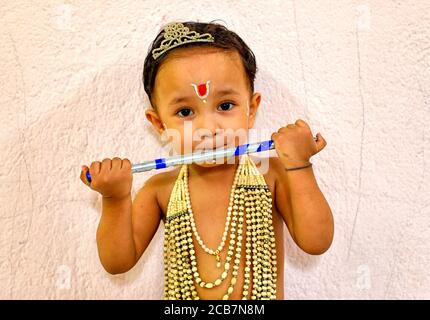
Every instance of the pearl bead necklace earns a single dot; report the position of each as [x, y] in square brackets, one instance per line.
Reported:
[233, 235]
[217, 251]
[249, 202]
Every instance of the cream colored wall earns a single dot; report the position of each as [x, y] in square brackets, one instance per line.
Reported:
[71, 93]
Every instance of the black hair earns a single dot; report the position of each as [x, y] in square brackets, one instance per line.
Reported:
[224, 39]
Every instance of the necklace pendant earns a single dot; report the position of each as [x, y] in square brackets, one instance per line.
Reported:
[218, 259]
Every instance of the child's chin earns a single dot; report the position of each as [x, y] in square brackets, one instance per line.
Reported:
[206, 164]
[218, 162]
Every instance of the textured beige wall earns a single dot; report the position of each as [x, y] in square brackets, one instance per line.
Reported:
[71, 93]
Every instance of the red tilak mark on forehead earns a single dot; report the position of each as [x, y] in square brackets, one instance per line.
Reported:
[202, 89]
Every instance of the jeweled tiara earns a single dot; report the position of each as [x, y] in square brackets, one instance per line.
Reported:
[175, 35]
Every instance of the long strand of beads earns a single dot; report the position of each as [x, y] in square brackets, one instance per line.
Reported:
[223, 276]
[237, 255]
[229, 210]
[269, 243]
[269, 265]
[175, 238]
[260, 249]
[233, 235]
[193, 224]
[244, 195]
[189, 291]
[169, 244]
[255, 265]
[218, 281]
[250, 228]
[256, 236]
[183, 254]
[261, 256]
[248, 250]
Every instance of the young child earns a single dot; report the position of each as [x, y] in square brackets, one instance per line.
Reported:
[223, 220]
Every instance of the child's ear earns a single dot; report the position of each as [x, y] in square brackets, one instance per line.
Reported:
[155, 120]
[253, 106]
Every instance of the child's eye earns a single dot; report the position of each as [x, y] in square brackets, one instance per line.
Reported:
[186, 112]
[225, 105]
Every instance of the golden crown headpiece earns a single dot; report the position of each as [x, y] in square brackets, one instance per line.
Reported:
[176, 34]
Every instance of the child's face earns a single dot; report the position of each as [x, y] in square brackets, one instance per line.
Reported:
[202, 99]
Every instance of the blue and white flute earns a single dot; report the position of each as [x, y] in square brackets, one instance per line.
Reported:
[162, 163]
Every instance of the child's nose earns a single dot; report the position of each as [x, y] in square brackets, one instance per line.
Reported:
[208, 127]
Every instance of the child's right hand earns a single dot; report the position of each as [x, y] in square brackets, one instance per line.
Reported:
[111, 178]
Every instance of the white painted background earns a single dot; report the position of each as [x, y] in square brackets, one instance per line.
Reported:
[71, 93]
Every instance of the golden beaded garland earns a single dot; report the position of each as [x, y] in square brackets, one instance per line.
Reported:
[250, 203]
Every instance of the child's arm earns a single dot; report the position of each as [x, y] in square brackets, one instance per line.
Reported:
[298, 197]
[115, 242]
[126, 228]
[304, 209]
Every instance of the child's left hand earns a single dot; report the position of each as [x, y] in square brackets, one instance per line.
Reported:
[295, 144]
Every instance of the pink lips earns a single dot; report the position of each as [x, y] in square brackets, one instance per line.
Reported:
[221, 147]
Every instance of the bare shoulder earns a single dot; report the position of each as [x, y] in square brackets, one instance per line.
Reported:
[159, 180]
[160, 185]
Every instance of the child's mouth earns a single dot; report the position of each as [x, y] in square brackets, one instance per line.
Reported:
[211, 147]
[220, 147]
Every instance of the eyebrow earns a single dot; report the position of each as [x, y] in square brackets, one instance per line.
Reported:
[221, 92]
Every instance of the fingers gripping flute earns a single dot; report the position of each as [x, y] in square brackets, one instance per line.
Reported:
[162, 163]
